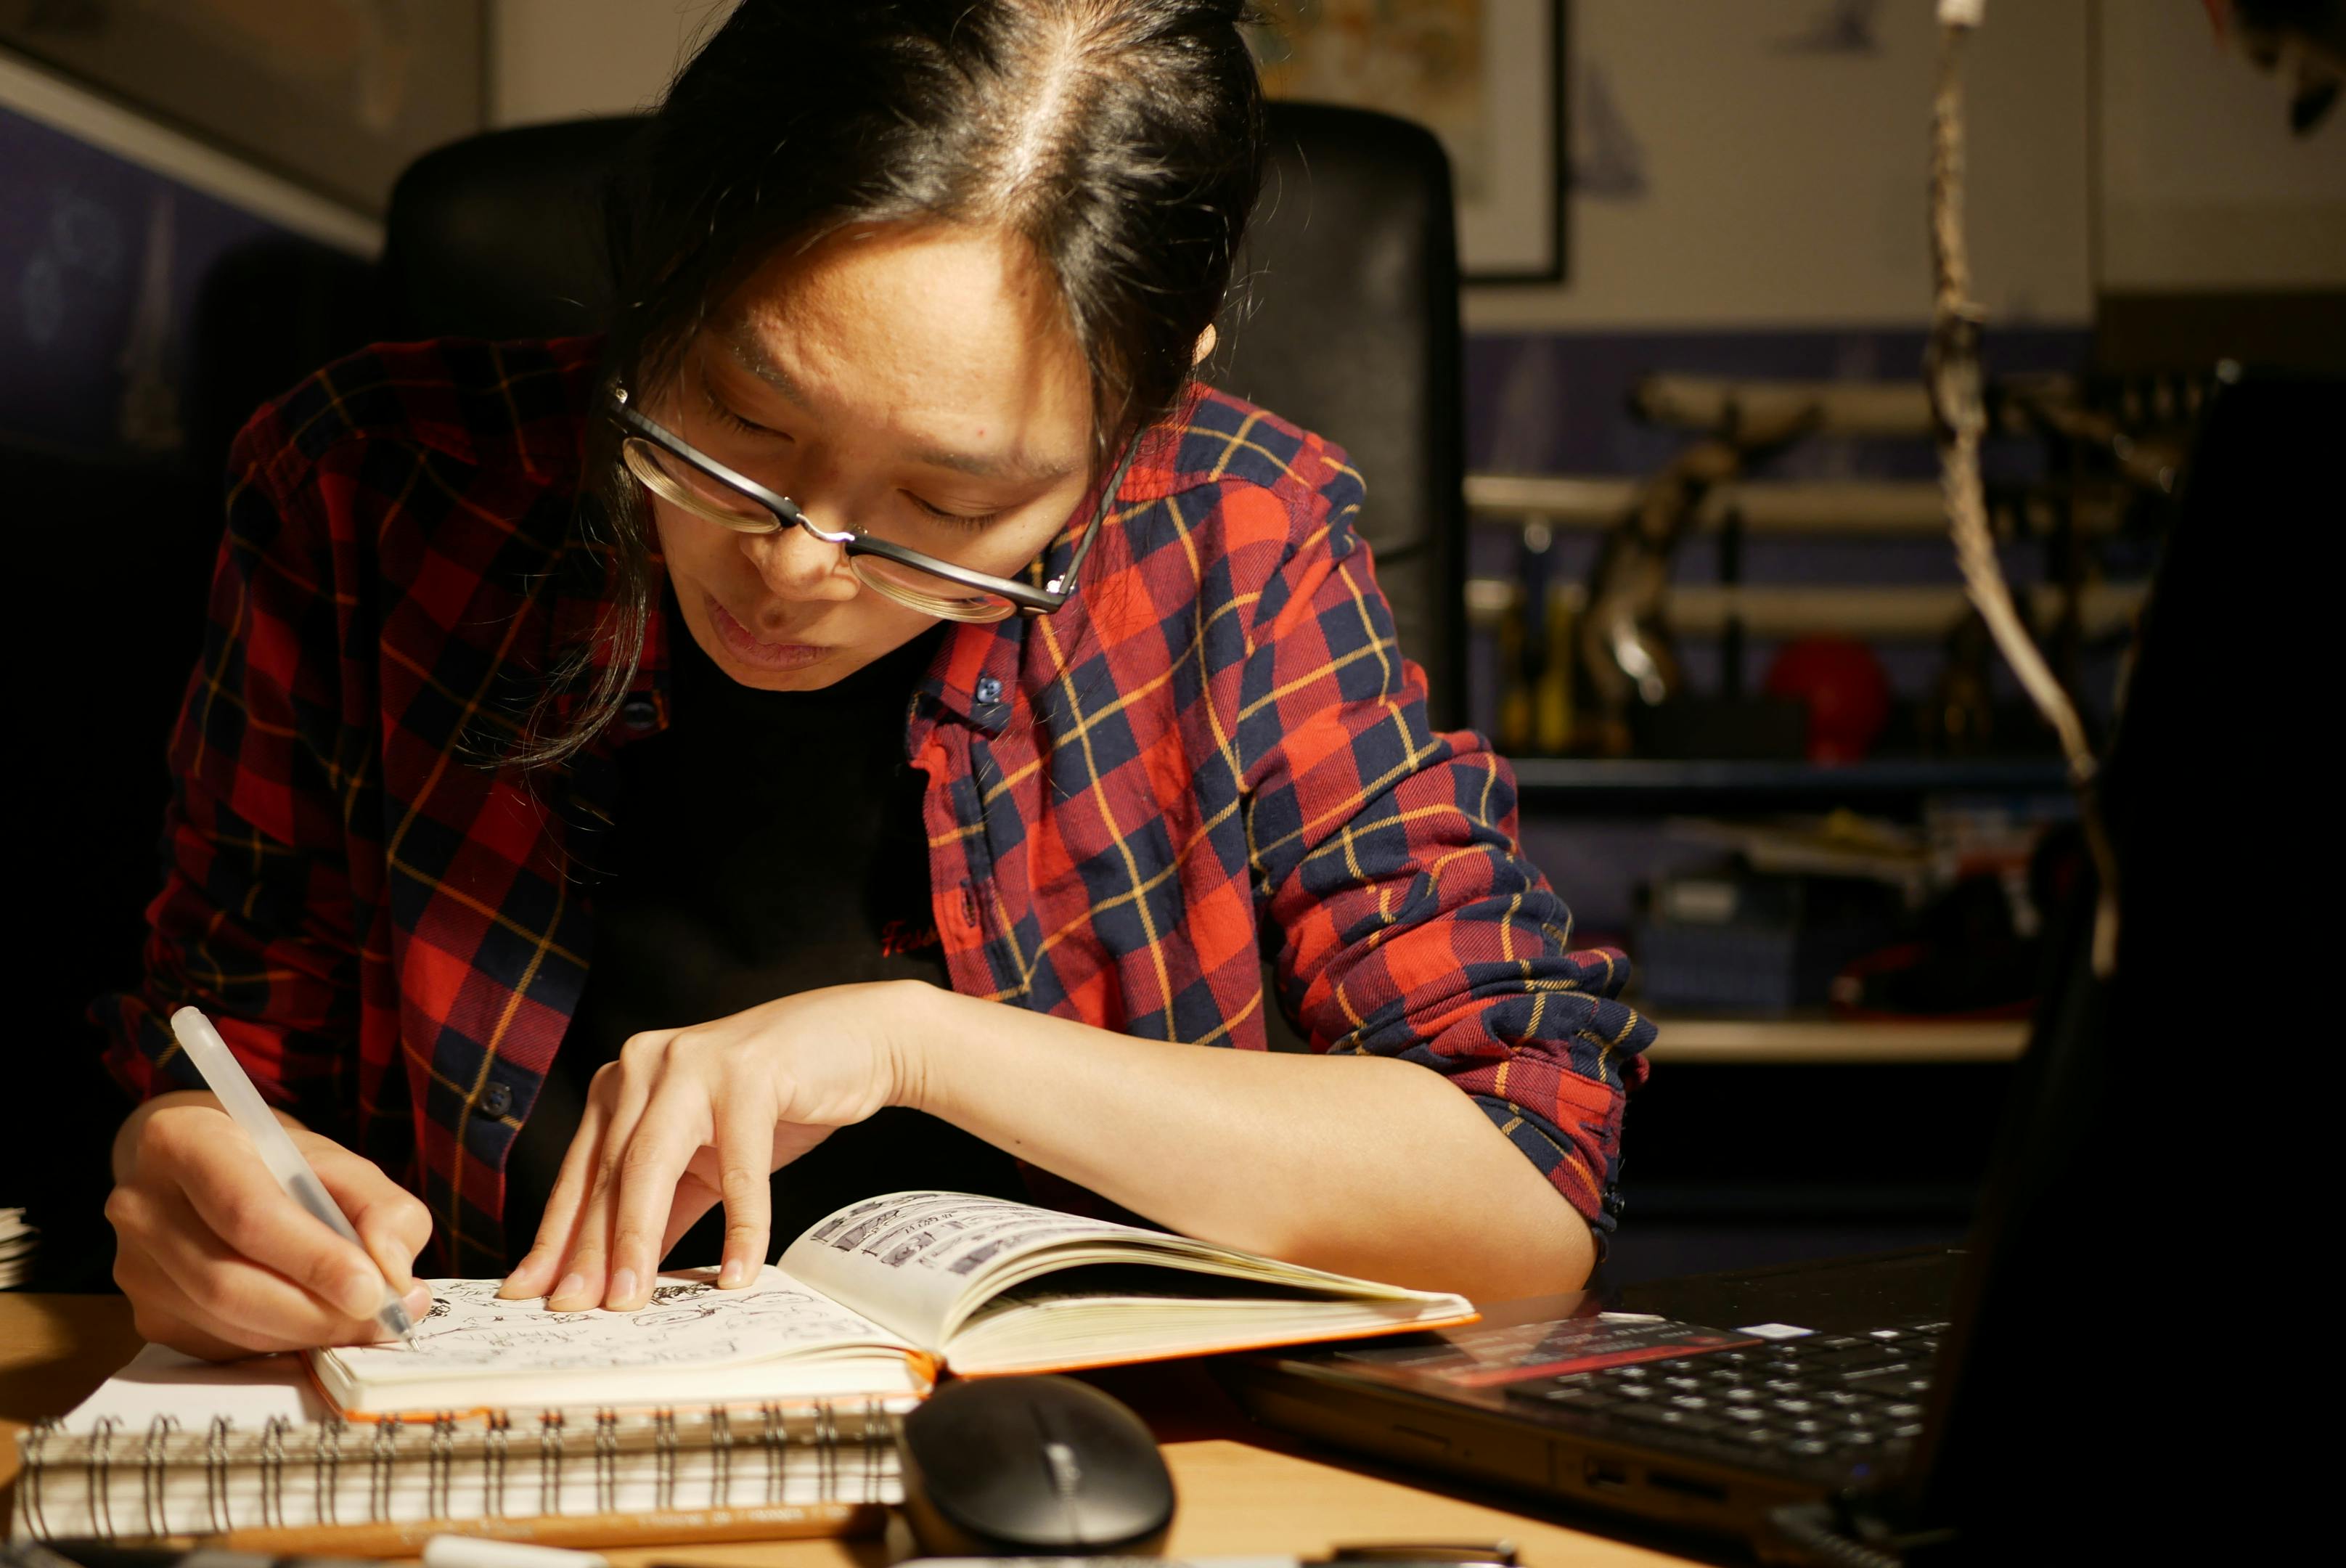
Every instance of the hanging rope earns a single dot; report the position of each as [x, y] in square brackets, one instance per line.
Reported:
[1959, 408]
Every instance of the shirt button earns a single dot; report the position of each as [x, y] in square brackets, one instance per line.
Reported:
[989, 689]
[497, 1100]
[639, 713]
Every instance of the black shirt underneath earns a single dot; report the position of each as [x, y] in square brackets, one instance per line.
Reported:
[765, 843]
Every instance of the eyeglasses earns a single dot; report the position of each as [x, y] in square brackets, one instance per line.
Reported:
[679, 472]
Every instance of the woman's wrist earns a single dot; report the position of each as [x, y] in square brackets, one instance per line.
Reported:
[913, 1015]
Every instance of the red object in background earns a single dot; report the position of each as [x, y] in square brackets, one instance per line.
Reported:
[1845, 687]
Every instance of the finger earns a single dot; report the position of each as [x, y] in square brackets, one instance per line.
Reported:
[241, 1204]
[536, 1272]
[190, 1274]
[745, 1153]
[586, 1266]
[392, 1222]
[155, 1312]
[671, 1128]
[696, 1194]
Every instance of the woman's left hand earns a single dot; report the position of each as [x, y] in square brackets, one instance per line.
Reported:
[688, 1118]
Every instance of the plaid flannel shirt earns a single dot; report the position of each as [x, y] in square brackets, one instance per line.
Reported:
[1214, 754]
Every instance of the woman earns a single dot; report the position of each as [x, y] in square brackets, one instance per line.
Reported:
[861, 725]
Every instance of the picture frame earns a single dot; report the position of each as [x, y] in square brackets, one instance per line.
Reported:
[1486, 76]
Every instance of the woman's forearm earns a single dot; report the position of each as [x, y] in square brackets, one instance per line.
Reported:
[1356, 1163]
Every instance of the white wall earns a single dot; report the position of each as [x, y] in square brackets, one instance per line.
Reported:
[556, 59]
[2203, 187]
[1785, 187]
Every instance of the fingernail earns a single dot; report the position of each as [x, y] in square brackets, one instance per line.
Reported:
[730, 1275]
[573, 1284]
[417, 1299]
[623, 1286]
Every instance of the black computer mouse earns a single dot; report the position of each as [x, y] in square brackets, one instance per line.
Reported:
[1032, 1467]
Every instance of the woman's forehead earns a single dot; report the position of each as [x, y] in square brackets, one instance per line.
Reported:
[930, 325]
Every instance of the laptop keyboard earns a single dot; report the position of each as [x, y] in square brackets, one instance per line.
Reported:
[1837, 1400]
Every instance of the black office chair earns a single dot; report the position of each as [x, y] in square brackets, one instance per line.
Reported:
[1345, 320]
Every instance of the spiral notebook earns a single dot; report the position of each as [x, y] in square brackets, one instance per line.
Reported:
[250, 1457]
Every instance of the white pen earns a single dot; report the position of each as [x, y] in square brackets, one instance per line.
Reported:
[486, 1552]
[226, 1078]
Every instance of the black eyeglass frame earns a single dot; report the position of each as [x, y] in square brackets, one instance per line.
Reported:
[1029, 600]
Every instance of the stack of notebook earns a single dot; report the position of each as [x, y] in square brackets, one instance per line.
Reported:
[754, 1413]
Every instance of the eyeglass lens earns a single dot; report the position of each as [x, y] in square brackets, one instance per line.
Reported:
[704, 495]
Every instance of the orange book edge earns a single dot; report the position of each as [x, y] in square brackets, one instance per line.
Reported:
[1094, 1363]
[923, 1367]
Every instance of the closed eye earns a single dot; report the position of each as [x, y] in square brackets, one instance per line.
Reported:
[750, 427]
[959, 519]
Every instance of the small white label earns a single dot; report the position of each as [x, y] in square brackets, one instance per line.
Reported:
[1775, 1331]
[1631, 1318]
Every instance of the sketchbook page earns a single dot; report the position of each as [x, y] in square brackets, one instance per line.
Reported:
[915, 1260]
[1185, 1269]
[163, 1383]
[689, 1324]
[1045, 1328]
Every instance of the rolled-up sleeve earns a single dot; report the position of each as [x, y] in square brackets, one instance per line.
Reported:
[255, 922]
[1410, 925]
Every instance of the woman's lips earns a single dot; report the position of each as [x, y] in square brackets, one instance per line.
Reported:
[745, 646]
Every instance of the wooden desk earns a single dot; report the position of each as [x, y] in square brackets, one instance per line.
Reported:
[1241, 1491]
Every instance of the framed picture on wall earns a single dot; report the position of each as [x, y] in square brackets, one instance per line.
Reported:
[337, 97]
[1486, 76]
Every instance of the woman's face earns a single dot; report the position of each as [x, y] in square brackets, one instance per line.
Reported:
[919, 382]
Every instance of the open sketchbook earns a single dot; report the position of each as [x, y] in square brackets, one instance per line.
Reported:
[871, 1302]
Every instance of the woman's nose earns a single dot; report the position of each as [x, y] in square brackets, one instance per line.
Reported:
[795, 565]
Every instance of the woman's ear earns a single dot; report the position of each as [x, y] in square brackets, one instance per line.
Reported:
[1205, 345]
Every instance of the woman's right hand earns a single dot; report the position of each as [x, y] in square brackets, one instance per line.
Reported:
[219, 1262]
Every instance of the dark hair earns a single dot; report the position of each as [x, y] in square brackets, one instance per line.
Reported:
[1121, 139]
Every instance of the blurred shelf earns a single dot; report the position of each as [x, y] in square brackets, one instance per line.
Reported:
[1877, 610]
[1639, 784]
[1753, 1042]
[1840, 507]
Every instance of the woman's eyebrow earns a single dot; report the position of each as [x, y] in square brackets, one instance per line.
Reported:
[751, 358]
[991, 465]
[980, 465]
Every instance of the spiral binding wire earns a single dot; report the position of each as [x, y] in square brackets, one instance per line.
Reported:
[495, 1450]
[438, 1479]
[606, 1461]
[550, 1462]
[330, 1468]
[273, 1471]
[664, 1445]
[250, 1477]
[101, 1470]
[150, 1472]
[216, 1472]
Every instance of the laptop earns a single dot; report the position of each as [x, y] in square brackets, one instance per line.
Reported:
[2062, 1387]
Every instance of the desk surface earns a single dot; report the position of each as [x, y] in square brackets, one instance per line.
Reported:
[1242, 1491]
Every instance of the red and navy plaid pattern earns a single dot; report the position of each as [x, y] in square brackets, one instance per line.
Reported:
[1212, 755]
